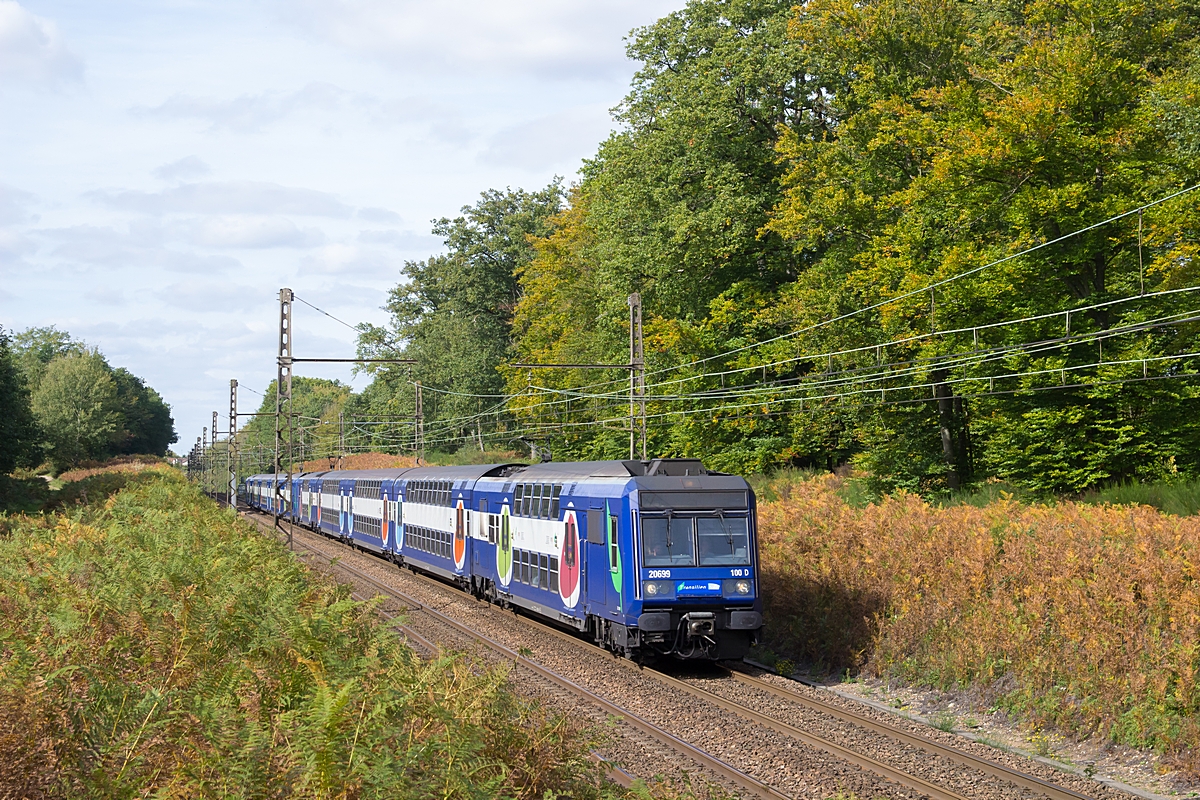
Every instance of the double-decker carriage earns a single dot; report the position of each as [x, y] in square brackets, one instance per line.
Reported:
[647, 558]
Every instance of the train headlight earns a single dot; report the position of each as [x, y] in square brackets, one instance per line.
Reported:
[658, 590]
[743, 587]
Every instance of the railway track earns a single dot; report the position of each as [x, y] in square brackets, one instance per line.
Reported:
[730, 775]
[958, 774]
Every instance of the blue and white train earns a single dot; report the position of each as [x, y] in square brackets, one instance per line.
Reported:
[648, 558]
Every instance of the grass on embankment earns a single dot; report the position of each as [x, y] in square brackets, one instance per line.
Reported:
[151, 644]
[1083, 617]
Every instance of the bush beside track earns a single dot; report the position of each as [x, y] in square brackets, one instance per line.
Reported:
[1086, 618]
[150, 643]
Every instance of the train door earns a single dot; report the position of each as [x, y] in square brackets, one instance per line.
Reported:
[615, 570]
[481, 532]
[344, 524]
[596, 562]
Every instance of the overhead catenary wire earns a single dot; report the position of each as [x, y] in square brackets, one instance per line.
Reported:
[326, 313]
[548, 397]
[918, 291]
[929, 362]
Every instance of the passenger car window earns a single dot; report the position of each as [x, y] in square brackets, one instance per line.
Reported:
[722, 542]
[667, 542]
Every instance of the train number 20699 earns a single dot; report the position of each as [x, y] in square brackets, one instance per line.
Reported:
[660, 573]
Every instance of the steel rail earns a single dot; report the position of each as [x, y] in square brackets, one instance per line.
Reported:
[978, 763]
[859, 760]
[709, 761]
[963, 758]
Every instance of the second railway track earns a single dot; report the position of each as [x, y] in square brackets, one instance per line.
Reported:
[750, 735]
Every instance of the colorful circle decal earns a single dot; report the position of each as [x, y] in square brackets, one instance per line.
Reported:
[568, 576]
[460, 536]
[383, 529]
[504, 550]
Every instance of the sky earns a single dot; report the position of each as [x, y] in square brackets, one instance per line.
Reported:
[166, 167]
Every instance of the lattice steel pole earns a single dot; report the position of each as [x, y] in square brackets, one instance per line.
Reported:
[283, 394]
[231, 447]
[637, 372]
[420, 430]
[212, 466]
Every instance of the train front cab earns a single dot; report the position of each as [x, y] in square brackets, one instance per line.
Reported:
[696, 551]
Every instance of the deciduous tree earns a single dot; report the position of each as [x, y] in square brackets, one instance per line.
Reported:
[77, 408]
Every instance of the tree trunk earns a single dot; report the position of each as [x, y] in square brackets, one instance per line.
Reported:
[945, 401]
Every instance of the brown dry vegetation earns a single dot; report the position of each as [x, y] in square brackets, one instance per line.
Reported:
[1082, 617]
[119, 464]
[385, 461]
[150, 644]
[359, 461]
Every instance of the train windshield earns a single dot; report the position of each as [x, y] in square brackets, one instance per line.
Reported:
[706, 541]
[723, 541]
[667, 542]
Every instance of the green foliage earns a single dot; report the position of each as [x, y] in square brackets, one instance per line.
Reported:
[19, 438]
[155, 645]
[678, 198]
[316, 404]
[453, 313]
[147, 426]
[76, 407]
[37, 347]
[83, 409]
[781, 168]
[23, 495]
[1180, 497]
[968, 132]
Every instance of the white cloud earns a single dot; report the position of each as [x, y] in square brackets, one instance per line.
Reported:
[141, 248]
[14, 204]
[441, 121]
[14, 247]
[229, 197]
[378, 215]
[32, 50]
[550, 38]
[403, 240]
[340, 259]
[183, 169]
[548, 142]
[252, 233]
[106, 295]
[211, 294]
[250, 112]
